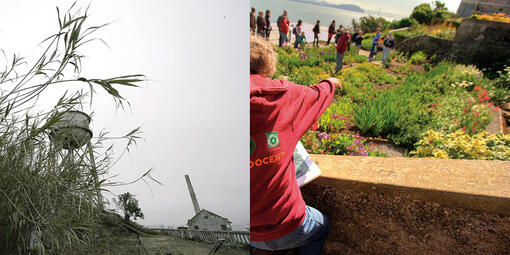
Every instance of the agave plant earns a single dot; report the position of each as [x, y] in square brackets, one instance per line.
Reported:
[48, 196]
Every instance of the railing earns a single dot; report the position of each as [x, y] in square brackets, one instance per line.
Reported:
[232, 238]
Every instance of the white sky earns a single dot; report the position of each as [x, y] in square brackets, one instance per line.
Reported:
[195, 110]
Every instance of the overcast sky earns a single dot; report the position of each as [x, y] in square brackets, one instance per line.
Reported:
[194, 111]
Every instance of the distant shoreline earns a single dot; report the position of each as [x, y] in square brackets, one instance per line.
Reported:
[348, 7]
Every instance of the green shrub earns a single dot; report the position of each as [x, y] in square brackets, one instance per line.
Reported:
[377, 116]
[366, 44]
[418, 58]
[404, 22]
[453, 112]
[306, 75]
[459, 145]
[422, 13]
[370, 24]
[338, 144]
[336, 116]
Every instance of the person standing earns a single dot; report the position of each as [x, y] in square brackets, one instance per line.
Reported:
[252, 20]
[389, 42]
[261, 24]
[338, 33]
[268, 24]
[281, 112]
[279, 23]
[297, 33]
[284, 29]
[375, 42]
[341, 47]
[357, 38]
[331, 31]
[316, 31]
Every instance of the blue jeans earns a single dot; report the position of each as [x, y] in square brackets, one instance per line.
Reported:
[385, 53]
[296, 43]
[339, 61]
[309, 236]
[373, 50]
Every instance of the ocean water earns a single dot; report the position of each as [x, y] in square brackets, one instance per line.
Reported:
[308, 13]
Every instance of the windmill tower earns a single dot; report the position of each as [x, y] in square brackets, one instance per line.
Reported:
[204, 219]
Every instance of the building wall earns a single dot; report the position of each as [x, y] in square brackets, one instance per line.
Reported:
[467, 7]
[207, 221]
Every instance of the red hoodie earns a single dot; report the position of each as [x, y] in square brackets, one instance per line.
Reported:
[280, 114]
[341, 45]
[284, 26]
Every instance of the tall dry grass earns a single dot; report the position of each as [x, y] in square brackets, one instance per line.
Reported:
[48, 193]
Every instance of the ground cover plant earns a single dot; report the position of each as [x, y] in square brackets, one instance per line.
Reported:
[500, 17]
[461, 145]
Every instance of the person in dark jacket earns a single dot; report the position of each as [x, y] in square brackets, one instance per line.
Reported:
[338, 33]
[252, 20]
[268, 24]
[331, 31]
[389, 42]
[297, 33]
[261, 24]
[357, 38]
[316, 31]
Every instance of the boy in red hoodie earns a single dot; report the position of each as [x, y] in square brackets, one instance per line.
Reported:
[280, 113]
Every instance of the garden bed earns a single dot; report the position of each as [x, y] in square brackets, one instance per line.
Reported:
[415, 98]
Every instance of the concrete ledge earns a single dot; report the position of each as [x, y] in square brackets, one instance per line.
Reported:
[475, 184]
[413, 205]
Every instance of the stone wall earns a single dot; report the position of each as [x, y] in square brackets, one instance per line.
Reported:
[468, 7]
[428, 44]
[480, 42]
[413, 206]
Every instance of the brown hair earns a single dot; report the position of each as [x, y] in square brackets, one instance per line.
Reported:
[263, 57]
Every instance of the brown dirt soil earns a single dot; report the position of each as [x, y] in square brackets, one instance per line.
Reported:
[370, 223]
[159, 244]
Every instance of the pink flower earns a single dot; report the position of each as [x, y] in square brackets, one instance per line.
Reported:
[464, 129]
[496, 109]
[478, 88]
[324, 136]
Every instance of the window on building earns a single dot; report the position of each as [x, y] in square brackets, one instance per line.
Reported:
[224, 227]
[206, 216]
[196, 227]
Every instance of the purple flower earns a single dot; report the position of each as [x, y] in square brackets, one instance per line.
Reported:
[324, 136]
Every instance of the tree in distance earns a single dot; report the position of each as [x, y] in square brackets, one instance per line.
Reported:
[129, 206]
